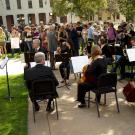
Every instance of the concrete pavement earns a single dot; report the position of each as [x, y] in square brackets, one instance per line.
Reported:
[76, 121]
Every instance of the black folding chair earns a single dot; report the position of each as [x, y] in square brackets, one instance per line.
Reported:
[106, 84]
[42, 90]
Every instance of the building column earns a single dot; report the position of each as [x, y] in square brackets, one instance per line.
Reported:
[26, 19]
[37, 18]
[15, 19]
[4, 21]
[47, 18]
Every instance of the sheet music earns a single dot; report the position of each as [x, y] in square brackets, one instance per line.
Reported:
[131, 54]
[79, 62]
[15, 43]
[4, 62]
[33, 64]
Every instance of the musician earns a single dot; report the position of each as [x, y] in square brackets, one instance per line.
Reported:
[36, 73]
[89, 80]
[123, 60]
[64, 67]
[37, 48]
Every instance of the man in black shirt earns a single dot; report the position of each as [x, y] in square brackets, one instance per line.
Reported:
[37, 73]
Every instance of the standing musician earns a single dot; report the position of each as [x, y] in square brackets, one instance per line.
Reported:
[91, 73]
[65, 53]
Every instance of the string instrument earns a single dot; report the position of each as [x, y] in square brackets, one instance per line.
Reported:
[83, 77]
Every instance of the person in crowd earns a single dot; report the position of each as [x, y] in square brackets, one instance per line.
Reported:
[2, 42]
[37, 73]
[90, 75]
[6, 32]
[123, 61]
[79, 29]
[35, 32]
[85, 35]
[90, 32]
[28, 36]
[97, 33]
[64, 67]
[62, 35]
[37, 48]
[111, 34]
[14, 34]
[43, 37]
[52, 45]
[73, 36]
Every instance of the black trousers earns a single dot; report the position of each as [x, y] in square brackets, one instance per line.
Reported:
[121, 63]
[52, 60]
[64, 70]
[83, 88]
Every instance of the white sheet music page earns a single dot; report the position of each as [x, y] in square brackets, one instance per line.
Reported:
[4, 62]
[79, 62]
[131, 54]
[47, 63]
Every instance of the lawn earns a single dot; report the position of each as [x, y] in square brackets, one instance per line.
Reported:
[13, 115]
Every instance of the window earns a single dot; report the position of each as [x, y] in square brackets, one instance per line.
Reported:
[19, 4]
[30, 3]
[51, 3]
[41, 3]
[7, 4]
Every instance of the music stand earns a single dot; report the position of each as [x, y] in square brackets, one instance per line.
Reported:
[131, 57]
[116, 49]
[63, 57]
[2, 66]
[29, 57]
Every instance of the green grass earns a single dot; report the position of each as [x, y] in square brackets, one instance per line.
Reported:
[16, 56]
[13, 115]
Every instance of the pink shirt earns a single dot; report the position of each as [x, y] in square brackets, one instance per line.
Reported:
[111, 33]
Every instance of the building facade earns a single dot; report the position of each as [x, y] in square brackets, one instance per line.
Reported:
[14, 12]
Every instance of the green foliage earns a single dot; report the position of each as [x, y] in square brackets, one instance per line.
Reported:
[82, 8]
[127, 8]
[61, 7]
[13, 115]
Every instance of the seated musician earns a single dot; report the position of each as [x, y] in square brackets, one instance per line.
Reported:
[64, 66]
[37, 48]
[92, 71]
[123, 60]
[37, 73]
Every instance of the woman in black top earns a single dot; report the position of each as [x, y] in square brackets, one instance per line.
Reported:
[97, 67]
[65, 53]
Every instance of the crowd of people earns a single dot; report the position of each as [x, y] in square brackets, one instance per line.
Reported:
[92, 39]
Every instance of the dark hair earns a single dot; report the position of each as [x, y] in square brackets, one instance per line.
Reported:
[133, 39]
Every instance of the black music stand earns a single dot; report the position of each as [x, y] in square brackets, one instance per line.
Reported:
[59, 58]
[29, 57]
[116, 49]
[2, 66]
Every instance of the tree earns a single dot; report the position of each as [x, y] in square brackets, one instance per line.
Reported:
[127, 8]
[82, 8]
[113, 7]
[61, 7]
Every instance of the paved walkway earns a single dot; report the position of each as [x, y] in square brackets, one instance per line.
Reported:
[75, 121]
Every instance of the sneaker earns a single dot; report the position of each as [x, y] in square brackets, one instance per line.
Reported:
[81, 105]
